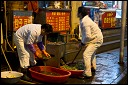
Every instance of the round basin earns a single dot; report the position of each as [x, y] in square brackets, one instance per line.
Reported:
[49, 74]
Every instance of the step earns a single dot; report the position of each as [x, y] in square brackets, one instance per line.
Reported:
[113, 37]
[113, 31]
[111, 45]
[71, 53]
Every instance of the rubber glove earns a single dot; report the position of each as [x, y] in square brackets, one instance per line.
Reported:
[46, 54]
[32, 49]
[38, 55]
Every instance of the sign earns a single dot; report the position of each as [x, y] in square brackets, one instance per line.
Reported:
[108, 20]
[59, 20]
[19, 21]
[93, 13]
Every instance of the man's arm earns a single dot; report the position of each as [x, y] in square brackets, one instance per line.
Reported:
[31, 48]
[41, 47]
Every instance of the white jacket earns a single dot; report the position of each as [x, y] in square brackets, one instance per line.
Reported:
[90, 31]
[30, 33]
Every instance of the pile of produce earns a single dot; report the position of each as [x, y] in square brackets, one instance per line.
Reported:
[76, 66]
[69, 67]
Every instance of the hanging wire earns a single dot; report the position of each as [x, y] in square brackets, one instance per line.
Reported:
[6, 59]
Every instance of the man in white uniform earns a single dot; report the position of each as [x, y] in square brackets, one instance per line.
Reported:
[92, 39]
[24, 38]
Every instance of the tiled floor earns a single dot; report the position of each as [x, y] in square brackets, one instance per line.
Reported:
[108, 71]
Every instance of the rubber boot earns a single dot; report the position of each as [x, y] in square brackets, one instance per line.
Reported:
[93, 69]
[26, 74]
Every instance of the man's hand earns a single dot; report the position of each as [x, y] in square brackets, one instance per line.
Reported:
[46, 54]
[81, 44]
[38, 55]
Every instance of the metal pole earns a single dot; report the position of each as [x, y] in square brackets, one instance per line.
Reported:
[123, 26]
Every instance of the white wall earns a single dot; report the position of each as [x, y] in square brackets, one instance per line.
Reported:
[74, 18]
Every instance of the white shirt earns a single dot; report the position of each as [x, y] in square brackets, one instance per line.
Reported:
[30, 33]
[90, 30]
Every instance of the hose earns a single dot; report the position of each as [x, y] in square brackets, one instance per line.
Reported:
[6, 25]
[6, 58]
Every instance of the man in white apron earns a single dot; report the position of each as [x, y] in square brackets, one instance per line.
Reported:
[92, 39]
[24, 38]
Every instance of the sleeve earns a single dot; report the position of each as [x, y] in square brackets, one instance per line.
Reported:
[83, 40]
[40, 45]
[87, 33]
[80, 35]
[31, 48]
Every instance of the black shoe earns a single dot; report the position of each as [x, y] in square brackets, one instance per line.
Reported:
[84, 77]
[93, 70]
[26, 75]
[26, 78]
